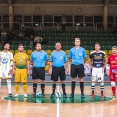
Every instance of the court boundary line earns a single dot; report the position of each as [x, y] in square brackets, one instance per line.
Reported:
[58, 106]
[64, 103]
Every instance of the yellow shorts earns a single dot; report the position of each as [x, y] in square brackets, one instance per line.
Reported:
[21, 75]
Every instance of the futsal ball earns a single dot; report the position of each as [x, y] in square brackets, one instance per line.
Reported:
[38, 93]
[58, 95]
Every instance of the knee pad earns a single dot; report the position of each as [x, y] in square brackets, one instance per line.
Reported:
[112, 83]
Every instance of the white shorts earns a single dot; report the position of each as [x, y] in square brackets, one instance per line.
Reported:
[98, 74]
[5, 74]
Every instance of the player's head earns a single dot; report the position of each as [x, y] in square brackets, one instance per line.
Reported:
[77, 41]
[58, 46]
[7, 46]
[97, 46]
[20, 47]
[38, 46]
[114, 49]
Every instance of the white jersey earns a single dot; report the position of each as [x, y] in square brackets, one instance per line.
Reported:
[6, 60]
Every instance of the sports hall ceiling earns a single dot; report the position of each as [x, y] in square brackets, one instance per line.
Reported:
[58, 1]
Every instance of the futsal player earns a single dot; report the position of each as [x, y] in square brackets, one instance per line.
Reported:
[6, 64]
[112, 69]
[77, 56]
[21, 70]
[97, 62]
[57, 61]
[38, 58]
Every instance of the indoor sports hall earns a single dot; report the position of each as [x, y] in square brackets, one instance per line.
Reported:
[48, 22]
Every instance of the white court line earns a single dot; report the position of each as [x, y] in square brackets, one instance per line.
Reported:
[57, 109]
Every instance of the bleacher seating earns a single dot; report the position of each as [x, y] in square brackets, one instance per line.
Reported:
[88, 39]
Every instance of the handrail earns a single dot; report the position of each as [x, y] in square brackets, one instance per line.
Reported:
[88, 23]
[12, 23]
[30, 23]
[103, 23]
[40, 25]
[48, 23]
[69, 23]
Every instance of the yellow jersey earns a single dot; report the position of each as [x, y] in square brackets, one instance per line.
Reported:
[20, 59]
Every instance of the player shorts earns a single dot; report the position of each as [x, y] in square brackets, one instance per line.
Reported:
[113, 76]
[21, 75]
[38, 73]
[98, 74]
[77, 70]
[5, 74]
[56, 72]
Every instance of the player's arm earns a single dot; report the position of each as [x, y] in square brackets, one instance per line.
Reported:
[90, 61]
[105, 63]
[11, 63]
[84, 55]
[14, 65]
[66, 64]
[28, 66]
[108, 66]
[67, 67]
[50, 68]
[70, 56]
[50, 65]
[105, 60]
[46, 58]
[31, 60]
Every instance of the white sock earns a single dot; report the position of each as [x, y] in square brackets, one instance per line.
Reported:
[9, 86]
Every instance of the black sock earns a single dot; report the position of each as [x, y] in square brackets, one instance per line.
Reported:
[82, 87]
[43, 88]
[101, 91]
[53, 88]
[73, 86]
[34, 88]
[63, 87]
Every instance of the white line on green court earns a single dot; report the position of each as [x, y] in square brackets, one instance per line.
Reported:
[58, 105]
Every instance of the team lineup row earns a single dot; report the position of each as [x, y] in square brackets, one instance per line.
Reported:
[19, 66]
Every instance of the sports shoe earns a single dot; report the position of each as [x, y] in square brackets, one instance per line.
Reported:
[71, 96]
[64, 95]
[10, 95]
[34, 95]
[16, 95]
[52, 95]
[102, 95]
[43, 95]
[25, 95]
[92, 95]
[114, 96]
[82, 96]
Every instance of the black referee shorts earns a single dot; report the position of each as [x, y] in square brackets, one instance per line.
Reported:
[56, 72]
[77, 70]
[38, 73]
